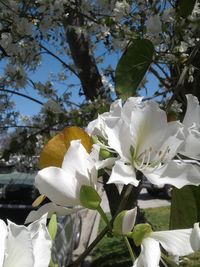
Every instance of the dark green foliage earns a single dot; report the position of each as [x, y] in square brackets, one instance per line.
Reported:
[133, 66]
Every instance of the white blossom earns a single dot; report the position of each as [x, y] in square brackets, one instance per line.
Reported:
[25, 246]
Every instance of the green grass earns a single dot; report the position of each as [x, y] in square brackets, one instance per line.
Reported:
[112, 251]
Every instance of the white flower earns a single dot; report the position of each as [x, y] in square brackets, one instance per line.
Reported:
[96, 127]
[175, 243]
[121, 8]
[191, 124]
[140, 134]
[62, 185]
[154, 24]
[25, 246]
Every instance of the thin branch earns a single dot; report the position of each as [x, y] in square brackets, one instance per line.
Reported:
[59, 59]
[23, 95]
[90, 248]
[181, 79]
[161, 80]
[158, 94]
[163, 71]
[67, 101]
[8, 7]
[19, 126]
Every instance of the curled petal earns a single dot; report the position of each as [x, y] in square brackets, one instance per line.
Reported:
[195, 237]
[129, 221]
[123, 174]
[150, 254]
[192, 115]
[57, 185]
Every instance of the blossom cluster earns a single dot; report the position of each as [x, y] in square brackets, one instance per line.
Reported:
[130, 138]
[134, 137]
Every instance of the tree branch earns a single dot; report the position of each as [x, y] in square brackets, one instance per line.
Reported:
[161, 80]
[59, 59]
[22, 95]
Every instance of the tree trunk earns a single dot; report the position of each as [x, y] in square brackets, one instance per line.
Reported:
[79, 45]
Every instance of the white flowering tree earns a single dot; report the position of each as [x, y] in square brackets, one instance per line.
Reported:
[82, 38]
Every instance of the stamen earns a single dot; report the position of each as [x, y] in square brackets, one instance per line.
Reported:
[147, 162]
[142, 162]
[162, 157]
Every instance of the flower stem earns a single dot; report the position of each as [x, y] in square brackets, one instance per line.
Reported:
[104, 217]
[129, 249]
[91, 246]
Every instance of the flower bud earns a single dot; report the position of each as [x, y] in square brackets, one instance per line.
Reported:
[89, 197]
[124, 222]
[140, 232]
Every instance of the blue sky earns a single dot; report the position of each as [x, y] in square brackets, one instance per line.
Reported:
[50, 65]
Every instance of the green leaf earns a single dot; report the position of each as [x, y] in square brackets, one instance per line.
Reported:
[132, 67]
[52, 226]
[185, 7]
[89, 197]
[185, 207]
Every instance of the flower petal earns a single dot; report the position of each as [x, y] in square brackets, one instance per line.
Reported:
[97, 127]
[3, 231]
[175, 242]
[129, 105]
[123, 174]
[78, 154]
[119, 138]
[148, 126]
[191, 123]
[191, 147]
[150, 254]
[58, 186]
[129, 220]
[192, 115]
[195, 237]
[19, 248]
[174, 173]
[49, 208]
[41, 241]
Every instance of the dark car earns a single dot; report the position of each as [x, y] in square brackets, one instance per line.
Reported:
[17, 193]
[165, 189]
[155, 190]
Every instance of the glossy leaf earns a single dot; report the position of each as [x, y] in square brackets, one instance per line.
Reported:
[132, 67]
[185, 207]
[185, 7]
[89, 197]
[54, 151]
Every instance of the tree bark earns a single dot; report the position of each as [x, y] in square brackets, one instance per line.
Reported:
[79, 45]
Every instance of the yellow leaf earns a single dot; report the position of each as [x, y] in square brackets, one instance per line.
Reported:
[54, 151]
[38, 201]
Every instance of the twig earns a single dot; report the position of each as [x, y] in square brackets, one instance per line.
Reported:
[23, 95]
[90, 248]
[59, 59]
